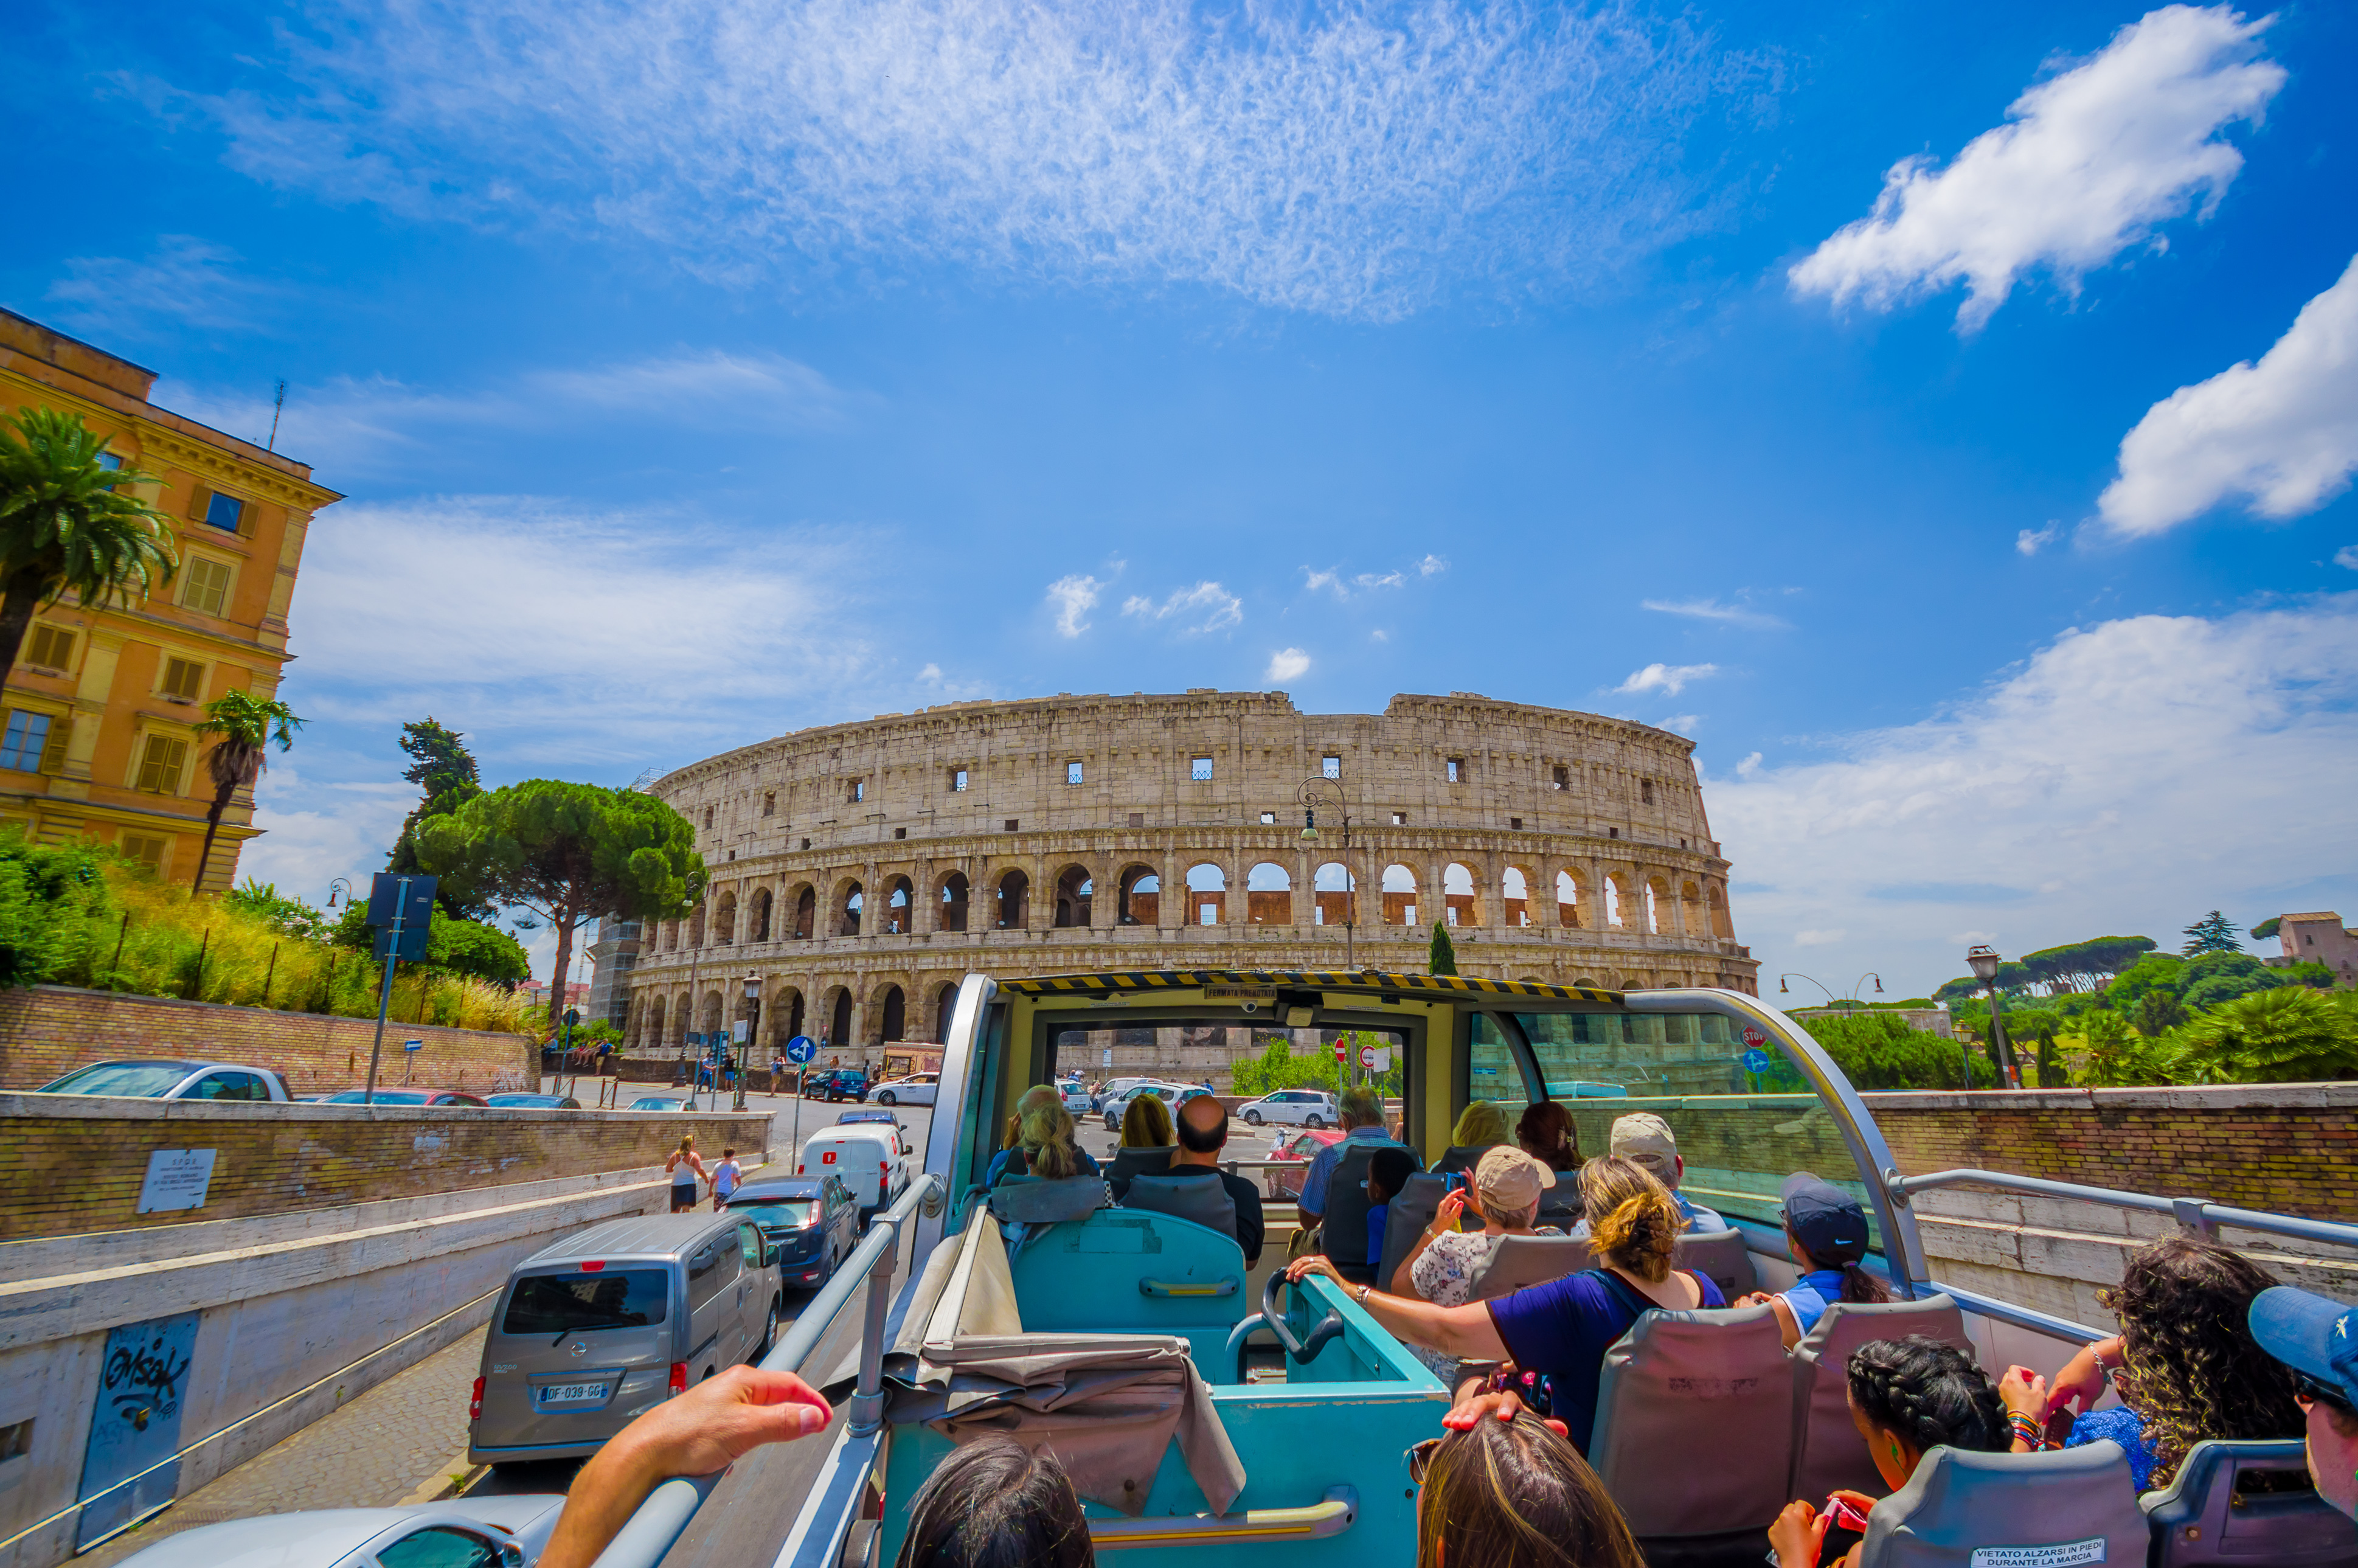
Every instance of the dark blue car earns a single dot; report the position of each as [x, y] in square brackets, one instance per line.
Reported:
[811, 1220]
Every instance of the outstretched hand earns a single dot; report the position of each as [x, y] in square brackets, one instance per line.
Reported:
[1311, 1263]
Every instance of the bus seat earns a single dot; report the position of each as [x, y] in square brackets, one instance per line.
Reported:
[2199, 1519]
[2067, 1505]
[1129, 1162]
[1034, 1200]
[1343, 1229]
[1524, 1260]
[1411, 1210]
[1695, 1422]
[1189, 1197]
[1827, 1450]
[1460, 1157]
[1136, 1271]
[1719, 1255]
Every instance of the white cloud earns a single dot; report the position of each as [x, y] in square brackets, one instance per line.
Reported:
[2283, 432]
[2029, 541]
[1671, 678]
[2213, 737]
[1431, 565]
[1359, 159]
[1333, 581]
[1749, 767]
[1818, 938]
[313, 833]
[1073, 597]
[1380, 635]
[1713, 609]
[2089, 162]
[1285, 664]
[1216, 606]
[2347, 555]
[1679, 723]
[183, 279]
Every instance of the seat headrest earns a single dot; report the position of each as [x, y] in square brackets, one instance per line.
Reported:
[2066, 1506]
[1034, 1201]
[1205, 1202]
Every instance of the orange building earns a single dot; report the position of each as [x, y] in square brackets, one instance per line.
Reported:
[101, 709]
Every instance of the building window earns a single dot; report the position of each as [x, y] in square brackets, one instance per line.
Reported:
[1645, 790]
[1613, 832]
[1330, 767]
[1267, 819]
[15, 1440]
[204, 585]
[1200, 769]
[111, 462]
[1456, 770]
[225, 512]
[1137, 819]
[148, 853]
[769, 803]
[859, 792]
[52, 648]
[1563, 779]
[806, 843]
[1514, 824]
[183, 678]
[707, 819]
[28, 733]
[900, 833]
[1013, 824]
[958, 780]
[1072, 773]
[1400, 818]
[159, 767]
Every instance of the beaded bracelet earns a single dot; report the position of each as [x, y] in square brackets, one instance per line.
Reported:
[2028, 1429]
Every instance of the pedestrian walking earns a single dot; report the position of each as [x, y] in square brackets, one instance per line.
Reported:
[725, 1177]
[684, 1165]
[777, 1074]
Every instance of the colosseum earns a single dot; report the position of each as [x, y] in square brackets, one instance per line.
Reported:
[859, 870]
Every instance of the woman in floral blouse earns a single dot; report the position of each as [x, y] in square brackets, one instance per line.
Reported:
[1446, 1262]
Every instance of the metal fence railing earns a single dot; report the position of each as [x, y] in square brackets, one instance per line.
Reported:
[2196, 1216]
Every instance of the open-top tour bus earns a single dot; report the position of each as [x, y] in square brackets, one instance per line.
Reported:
[1206, 1409]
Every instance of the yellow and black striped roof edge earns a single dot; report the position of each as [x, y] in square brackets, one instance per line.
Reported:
[1306, 980]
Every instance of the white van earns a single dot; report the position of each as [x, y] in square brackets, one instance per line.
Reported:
[870, 1157]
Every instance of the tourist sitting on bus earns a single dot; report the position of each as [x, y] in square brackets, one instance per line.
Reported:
[1514, 1494]
[1646, 1141]
[1388, 1172]
[1545, 1132]
[1361, 1112]
[1825, 1230]
[2316, 1337]
[1442, 1266]
[1907, 1397]
[1481, 1126]
[993, 1503]
[1147, 1123]
[1040, 1140]
[2186, 1364]
[1202, 1132]
[1562, 1329]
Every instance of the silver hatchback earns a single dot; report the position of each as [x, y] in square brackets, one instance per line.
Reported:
[613, 1321]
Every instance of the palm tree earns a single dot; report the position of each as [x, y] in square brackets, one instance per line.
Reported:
[69, 521]
[243, 728]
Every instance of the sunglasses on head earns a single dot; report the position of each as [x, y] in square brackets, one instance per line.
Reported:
[1420, 1459]
[2309, 1388]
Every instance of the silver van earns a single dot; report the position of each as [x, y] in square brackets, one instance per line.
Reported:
[613, 1321]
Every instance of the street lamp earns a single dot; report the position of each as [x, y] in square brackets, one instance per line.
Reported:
[1313, 792]
[752, 1019]
[338, 885]
[1985, 961]
[1831, 1000]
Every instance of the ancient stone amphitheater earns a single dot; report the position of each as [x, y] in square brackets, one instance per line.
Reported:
[859, 870]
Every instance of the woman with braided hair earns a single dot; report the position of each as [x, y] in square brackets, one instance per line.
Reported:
[1908, 1397]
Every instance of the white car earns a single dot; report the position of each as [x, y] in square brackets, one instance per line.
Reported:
[1293, 1107]
[1077, 1099]
[464, 1533]
[917, 1088]
[668, 1103]
[1171, 1095]
[156, 1079]
[871, 1157]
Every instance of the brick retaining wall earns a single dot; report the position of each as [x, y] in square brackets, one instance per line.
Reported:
[48, 1030]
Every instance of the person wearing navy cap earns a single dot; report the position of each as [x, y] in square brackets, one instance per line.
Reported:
[2317, 1336]
[1825, 1230]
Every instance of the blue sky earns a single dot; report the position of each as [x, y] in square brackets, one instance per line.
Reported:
[1943, 415]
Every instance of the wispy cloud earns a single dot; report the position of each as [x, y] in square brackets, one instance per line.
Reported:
[2283, 432]
[1206, 607]
[1285, 664]
[184, 279]
[1359, 161]
[2088, 164]
[2347, 555]
[1073, 597]
[2030, 541]
[1671, 678]
[1432, 566]
[1342, 587]
[1713, 609]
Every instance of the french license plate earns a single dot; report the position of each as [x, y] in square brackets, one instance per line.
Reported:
[572, 1393]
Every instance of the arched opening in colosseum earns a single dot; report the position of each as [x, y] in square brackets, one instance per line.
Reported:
[1399, 896]
[1457, 900]
[1269, 894]
[724, 920]
[805, 913]
[1074, 889]
[696, 927]
[1014, 902]
[945, 1005]
[1657, 898]
[780, 1015]
[1586, 981]
[1515, 896]
[891, 1009]
[651, 1024]
[1208, 895]
[954, 901]
[759, 930]
[1691, 910]
[1615, 903]
[1141, 896]
[792, 1000]
[900, 907]
[1330, 895]
[838, 1017]
[711, 1011]
[1719, 922]
[851, 901]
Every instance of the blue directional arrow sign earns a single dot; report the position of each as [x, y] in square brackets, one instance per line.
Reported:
[1755, 1060]
[800, 1049]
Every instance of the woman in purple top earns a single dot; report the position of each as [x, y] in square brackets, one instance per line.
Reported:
[1562, 1329]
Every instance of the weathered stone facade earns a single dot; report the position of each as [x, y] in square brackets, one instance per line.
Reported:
[859, 870]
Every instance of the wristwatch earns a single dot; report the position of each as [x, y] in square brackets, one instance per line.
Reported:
[1363, 1293]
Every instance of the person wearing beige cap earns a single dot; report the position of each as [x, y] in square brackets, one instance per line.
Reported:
[1646, 1141]
[1504, 1193]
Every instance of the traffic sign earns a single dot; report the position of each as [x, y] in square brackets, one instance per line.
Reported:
[1343, 1051]
[1366, 1056]
[413, 1044]
[800, 1049]
[1753, 1037]
[412, 897]
[1755, 1060]
[572, 1016]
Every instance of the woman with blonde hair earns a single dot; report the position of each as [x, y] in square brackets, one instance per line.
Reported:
[1040, 1140]
[1514, 1494]
[1481, 1127]
[1560, 1330]
[685, 1165]
[1147, 1123]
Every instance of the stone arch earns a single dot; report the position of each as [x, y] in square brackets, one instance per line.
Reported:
[1690, 912]
[944, 1004]
[696, 927]
[724, 919]
[1459, 904]
[889, 1010]
[1208, 895]
[1617, 902]
[711, 1010]
[1269, 894]
[1140, 895]
[1400, 895]
[783, 1015]
[651, 1023]
[758, 928]
[671, 935]
[792, 1000]
[1331, 896]
[1567, 900]
[1656, 893]
[1015, 911]
[899, 912]
[1073, 891]
[838, 1017]
[951, 902]
[1588, 984]
[1718, 902]
[851, 901]
[1515, 896]
[805, 913]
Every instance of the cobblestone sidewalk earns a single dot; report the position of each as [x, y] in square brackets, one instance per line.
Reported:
[373, 1452]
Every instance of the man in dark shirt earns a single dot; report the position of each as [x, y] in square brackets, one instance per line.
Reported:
[1203, 1129]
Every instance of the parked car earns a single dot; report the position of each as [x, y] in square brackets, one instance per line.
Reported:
[872, 1159]
[812, 1222]
[1113, 1089]
[917, 1088]
[1296, 1150]
[658, 1102]
[837, 1084]
[610, 1322]
[1077, 1100]
[160, 1079]
[462, 1533]
[1172, 1095]
[406, 1097]
[845, 1118]
[1293, 1107]
[532, 1102]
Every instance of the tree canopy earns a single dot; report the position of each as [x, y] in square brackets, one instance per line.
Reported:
[71, 524]
[2085, 966]
[241, 727]
[1443, 960]
[2215, 933]
[441, 765]
[1878, 1051]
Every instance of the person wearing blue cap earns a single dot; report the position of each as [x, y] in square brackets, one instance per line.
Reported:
[1825, 1229]
[2316, 1337]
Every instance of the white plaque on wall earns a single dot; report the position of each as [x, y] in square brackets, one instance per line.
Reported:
[177, 1179]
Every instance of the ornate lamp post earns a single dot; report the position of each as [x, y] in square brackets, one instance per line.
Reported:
[1315, 791]
[1832, 1000]
[1985, 961]
[752, 1020]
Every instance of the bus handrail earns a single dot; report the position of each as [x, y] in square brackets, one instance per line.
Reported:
[659, 1522]
[2196, 1216]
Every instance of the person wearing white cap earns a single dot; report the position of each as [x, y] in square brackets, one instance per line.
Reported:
[2316, 1337]
[1442, 1266]
[1646, 1141]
